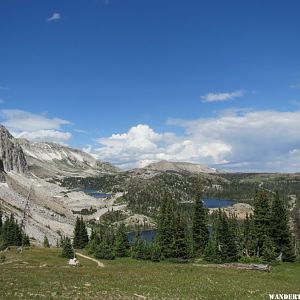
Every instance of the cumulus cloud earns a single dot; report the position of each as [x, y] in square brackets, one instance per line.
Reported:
[217, 97]
[55, 17]
[235, 140]
[131, 149]
[34, 127]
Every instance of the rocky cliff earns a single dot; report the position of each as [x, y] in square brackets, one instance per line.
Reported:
[12, 157]
[48, 160]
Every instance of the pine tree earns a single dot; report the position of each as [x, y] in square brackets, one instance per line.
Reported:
[200, 229]
[11, 232]
[140, 249]
[268, 250]
[67, 249]
[25, 240]
[249, 241]
[211, 252]
[261, 218]
[46, 242]
[81, 238]
[77, 234]
[104, 251]
[121, 244]
[234, 239]
[155, 252]
[180, 244]
[280, 231]
[166, 227]
[83, 234]
[222, 246]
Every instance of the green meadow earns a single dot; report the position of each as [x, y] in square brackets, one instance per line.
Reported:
[40, 273]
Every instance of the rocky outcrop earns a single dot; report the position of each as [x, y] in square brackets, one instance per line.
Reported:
[48, 160]
[11, 154]
[181, 167]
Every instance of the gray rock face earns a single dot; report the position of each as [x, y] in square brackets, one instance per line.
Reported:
[48, 160]
[12, 157]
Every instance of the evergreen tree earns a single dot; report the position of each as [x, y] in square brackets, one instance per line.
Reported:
[155, 252]
[222, 243]
[83, 234]
[11, 232]
[104, 251]
[67, 249]
[140, 250]
[166, 227]
[180, 244]
[200, 229]
[226, 239]
[121, 244]
[108, 236]
[81, 238]
[211, 252]
[46, 242]
[77, 234]
[280, 231]
[249, 241]
[25, 240]
[268, 250]
[261, 218]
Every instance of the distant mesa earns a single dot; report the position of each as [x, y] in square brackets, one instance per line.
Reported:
[164, 166]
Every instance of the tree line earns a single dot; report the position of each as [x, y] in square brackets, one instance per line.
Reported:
[11, 233]
[264, 235]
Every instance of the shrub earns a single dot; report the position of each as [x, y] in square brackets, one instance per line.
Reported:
[104, 251]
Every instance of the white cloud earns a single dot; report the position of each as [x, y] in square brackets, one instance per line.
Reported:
[237, 140]
[55, 17]
[34, 127]
[22, 120]
[45, 135]
[217, 97]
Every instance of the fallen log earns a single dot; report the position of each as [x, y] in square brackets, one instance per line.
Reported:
[239, 266]
[254, 267]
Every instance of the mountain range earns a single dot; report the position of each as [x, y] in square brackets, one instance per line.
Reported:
[54, 180]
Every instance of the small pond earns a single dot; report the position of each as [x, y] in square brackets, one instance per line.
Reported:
[96, 194]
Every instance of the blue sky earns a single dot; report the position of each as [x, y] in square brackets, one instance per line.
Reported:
[134, 81]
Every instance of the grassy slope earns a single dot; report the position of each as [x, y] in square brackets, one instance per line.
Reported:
[22, 276]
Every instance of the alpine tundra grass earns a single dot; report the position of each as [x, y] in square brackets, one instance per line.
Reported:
[39, 273]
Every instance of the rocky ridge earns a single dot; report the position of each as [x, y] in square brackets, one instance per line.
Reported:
[165, 165]
[12, 157]
[48, 160]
